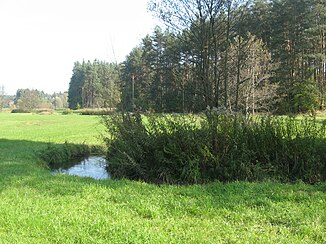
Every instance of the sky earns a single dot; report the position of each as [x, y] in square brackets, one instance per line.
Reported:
[40, 40]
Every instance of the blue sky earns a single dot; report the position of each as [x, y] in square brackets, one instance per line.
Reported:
[41, 39]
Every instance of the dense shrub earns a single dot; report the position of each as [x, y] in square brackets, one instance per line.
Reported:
[59, 155]
[44, 111]
[96, 111]
[19, 110]
[67, 111]
[188, 149]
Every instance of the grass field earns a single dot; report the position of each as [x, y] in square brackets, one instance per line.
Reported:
[37, 207]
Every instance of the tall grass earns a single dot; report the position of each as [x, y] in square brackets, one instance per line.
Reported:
[187, 149]
[59, 155]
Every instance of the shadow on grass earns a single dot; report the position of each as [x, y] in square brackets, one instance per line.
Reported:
[19, 157]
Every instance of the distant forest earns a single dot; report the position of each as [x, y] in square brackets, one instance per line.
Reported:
[27, 100]
[242, 56]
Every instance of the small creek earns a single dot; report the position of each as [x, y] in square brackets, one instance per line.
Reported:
[94, 167]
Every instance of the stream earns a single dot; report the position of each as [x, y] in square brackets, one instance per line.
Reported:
[94, 167]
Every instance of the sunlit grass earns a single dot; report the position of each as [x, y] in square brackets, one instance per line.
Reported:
[36, 207]
[51, 128]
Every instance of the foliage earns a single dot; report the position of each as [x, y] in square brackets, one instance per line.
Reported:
[67, 111]
[27, 99]
[306, 98]
[59, 155]
[44, 111]
[31, 99]
[59, 100]
[19, 110]
[182, 149]
[96, 111]
[247, 56]
[294, 32]
[56, 155]
[94, 85]
[154, 152]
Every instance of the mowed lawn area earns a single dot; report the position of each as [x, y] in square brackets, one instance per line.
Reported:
[37, 207]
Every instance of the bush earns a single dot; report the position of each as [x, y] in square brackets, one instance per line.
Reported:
[187, 149]
[96, 111]
[44, 111]
[153, 152]
[67, 111]
[19, 110]
[57, 155]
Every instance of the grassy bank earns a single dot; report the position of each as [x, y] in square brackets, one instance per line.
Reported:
[37, 207]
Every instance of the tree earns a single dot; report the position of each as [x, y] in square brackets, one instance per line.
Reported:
[199, 18]
[290, 47]
[133, 81]
[75, 85]
[260, 21]
[207, 29]
[28, 99]
[109, 92]
[229, 53]
[59, 100]
[94, 85]
[294, 32]
[250, 88]
[316, 51]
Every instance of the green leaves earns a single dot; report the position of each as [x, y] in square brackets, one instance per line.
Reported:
[181, 150]
[94, 85]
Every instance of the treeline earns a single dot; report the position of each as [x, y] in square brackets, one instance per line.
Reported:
[93, 85]
[165, 75]
[244, 56]
[31, 99]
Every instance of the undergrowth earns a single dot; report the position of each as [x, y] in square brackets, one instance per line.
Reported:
[59, 155]
[187, 149]
[17, 110]
[96, 111]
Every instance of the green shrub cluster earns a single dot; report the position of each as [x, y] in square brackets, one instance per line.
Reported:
[187, 149]
[59, 155]
[44, 111]
[19, 110]
[67, 111]
[96, 111]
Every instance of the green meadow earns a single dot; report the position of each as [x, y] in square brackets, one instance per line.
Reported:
[37, 207]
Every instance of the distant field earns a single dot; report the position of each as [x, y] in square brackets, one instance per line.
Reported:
[54, 128]
[36, 207]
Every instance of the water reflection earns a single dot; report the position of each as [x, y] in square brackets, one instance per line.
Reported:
[94, 167]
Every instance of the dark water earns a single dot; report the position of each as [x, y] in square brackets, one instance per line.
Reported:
[94, 167]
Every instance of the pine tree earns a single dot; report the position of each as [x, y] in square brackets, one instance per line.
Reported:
[75, 86]
[94, 85]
